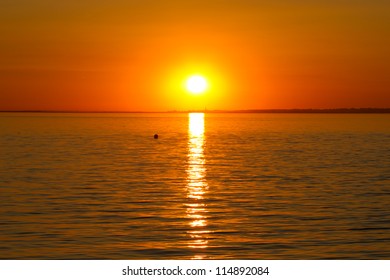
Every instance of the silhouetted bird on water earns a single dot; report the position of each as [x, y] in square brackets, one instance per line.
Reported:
[155, 136]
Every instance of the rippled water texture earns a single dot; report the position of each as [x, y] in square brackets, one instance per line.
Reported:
[214, 186]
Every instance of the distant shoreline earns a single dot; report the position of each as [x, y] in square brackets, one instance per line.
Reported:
[252, 111]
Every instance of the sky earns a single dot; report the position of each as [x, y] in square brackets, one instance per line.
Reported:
[123, 55]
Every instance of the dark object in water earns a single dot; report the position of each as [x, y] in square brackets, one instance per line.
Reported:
[155, 136]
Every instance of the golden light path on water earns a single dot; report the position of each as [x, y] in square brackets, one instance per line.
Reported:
[196, 184]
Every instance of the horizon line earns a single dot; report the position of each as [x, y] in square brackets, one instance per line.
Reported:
[295, 110]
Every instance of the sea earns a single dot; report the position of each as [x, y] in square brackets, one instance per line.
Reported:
[211, 186]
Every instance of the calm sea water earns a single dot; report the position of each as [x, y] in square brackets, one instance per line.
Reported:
[214, 186]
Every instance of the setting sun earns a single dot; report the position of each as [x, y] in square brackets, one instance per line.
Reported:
[196, 84]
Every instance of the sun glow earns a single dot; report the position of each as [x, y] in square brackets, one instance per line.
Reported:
[196, 84]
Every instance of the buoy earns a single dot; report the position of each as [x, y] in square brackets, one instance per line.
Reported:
[155, 136]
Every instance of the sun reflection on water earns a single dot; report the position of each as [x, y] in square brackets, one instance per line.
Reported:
[196, 184]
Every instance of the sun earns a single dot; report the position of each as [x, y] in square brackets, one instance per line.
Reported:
[196, 84]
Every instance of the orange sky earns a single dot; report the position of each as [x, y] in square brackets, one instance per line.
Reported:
[134, 55]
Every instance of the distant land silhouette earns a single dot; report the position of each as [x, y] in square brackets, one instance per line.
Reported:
[312, 111]
[252, 111]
